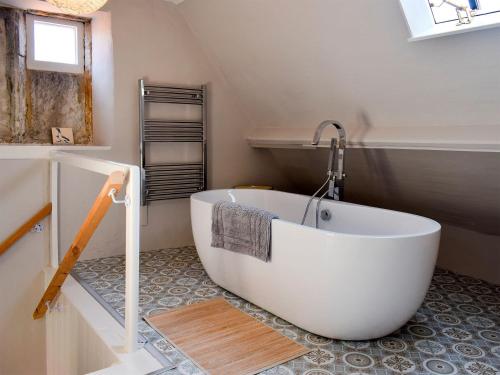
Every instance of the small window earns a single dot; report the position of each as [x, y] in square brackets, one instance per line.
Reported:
[54, 44]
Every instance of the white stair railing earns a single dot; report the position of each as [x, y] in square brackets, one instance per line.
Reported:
[132, 228]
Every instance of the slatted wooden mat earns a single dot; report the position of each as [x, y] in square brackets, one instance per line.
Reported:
[221, 339]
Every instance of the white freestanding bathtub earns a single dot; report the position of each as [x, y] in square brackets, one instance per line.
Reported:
[361, 275]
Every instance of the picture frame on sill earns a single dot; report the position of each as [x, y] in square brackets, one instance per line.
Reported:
[62, 136]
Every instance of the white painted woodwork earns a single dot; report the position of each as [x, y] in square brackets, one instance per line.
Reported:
[132, 249]
[28, 151]
[54, 219]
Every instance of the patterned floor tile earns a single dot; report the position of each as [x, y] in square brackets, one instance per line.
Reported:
[456, 330]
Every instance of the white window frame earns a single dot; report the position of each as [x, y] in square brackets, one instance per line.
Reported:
[421, 23]
[48, 65]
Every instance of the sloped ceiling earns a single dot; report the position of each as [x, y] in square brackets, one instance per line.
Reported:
[297, 62]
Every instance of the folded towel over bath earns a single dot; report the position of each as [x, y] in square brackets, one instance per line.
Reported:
[241, 229]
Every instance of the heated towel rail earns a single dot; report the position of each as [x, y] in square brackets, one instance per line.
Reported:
[163, 181]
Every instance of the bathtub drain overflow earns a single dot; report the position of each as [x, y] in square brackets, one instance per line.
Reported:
[326, 215]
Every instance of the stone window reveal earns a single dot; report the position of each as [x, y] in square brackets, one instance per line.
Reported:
[45, 88]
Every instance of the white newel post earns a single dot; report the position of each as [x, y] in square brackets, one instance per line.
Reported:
[132, 258]
[54, 218]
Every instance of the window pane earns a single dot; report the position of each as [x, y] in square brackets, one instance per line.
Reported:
[55, 43]
[488, 6]
[447, 12]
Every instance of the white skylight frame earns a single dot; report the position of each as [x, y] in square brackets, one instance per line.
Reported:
[421, 23]
[52, 66]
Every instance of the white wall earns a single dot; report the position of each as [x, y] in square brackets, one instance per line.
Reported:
[150, 40]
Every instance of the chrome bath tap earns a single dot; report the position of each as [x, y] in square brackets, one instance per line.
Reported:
[336, 161]
[335, 173]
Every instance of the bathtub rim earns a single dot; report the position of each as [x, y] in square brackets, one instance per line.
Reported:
[436, 227]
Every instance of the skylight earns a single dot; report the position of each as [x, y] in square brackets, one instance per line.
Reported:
[446, 12]
[436, 18]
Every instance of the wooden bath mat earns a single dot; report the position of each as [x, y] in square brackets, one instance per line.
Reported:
[221, 339]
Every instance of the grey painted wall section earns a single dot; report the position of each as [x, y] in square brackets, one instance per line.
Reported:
[461, 190]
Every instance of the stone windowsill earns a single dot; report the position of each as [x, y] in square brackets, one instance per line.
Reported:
[32, 151]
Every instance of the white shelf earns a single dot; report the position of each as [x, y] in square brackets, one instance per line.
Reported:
[465, 138]
[32, 151]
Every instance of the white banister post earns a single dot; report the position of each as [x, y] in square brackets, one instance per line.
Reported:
[133, 227]
[54, 218]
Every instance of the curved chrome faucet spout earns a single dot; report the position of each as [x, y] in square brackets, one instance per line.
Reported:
[335, 124]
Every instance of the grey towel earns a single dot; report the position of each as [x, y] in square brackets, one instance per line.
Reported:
[241, 229]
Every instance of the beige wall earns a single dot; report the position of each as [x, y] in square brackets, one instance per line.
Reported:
[23, 191]
[150, 40]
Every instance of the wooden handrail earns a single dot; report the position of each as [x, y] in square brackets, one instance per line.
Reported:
[88, 228]
[25, 228]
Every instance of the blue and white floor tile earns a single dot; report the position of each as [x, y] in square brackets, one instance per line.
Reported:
[455, 331]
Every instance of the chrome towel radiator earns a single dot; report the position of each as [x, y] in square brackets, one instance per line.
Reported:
[163, 181]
